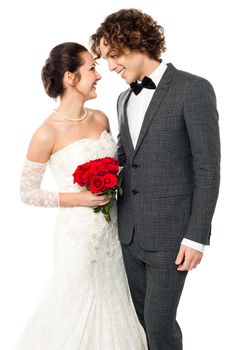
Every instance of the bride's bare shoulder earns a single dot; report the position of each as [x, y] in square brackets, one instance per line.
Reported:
[42, 142]
[100, 117]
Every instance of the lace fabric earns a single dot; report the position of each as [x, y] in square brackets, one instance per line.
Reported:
[30, 186]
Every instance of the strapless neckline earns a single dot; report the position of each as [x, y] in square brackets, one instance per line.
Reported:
[80, 140]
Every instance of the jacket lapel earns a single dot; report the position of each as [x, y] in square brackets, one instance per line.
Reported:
[156, 100]
[124, 124]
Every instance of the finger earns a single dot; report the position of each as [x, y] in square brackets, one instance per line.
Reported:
[180, 256]
[198, 261]
[106, 202]
[99, 203]
[183, 268]
[102, 203]
[102, 196]
[193, 265]
[103, 200]
[186, 265]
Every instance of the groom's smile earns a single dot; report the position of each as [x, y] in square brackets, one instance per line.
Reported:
[130, 65]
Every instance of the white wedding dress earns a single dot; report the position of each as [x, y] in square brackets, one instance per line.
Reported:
[87, 305]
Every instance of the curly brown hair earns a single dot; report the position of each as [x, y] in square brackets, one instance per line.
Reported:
[130, 29]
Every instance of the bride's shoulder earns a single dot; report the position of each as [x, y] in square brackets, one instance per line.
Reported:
[42, 143]
[100, 117]
[46, 131]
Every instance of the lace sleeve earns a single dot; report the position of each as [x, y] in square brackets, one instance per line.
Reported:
[30, 191]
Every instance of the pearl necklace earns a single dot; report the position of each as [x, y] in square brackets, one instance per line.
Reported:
[72, 119]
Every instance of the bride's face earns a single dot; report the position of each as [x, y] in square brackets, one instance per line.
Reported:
[86, 80]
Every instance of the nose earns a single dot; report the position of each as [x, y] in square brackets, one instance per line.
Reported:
[111, 65]
[98, 76]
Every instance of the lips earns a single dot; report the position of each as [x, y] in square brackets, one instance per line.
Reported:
[121, 72]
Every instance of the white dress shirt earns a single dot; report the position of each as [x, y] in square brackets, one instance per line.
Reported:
[136, 109]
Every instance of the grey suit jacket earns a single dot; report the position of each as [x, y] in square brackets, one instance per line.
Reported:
[171, 178]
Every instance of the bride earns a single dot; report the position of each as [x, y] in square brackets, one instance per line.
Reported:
[87, 305]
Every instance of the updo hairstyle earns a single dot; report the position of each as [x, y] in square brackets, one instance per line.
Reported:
[64, 57]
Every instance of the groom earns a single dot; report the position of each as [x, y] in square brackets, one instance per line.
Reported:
[169, 146]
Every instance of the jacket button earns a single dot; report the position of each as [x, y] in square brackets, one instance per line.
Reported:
[134, 191]
[134, 166]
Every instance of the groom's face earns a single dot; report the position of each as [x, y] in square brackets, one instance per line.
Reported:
[128, 65]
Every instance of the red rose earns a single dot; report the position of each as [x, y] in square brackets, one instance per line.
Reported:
[102, 170]
[97, 184]
[110, 181]
[95, 163]
[87, 176]
[78, 175]
[106, 165]
[113, 168]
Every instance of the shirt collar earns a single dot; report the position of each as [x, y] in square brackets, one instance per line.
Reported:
[157, 74]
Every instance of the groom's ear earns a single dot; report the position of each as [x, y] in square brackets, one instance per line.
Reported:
[69, 78]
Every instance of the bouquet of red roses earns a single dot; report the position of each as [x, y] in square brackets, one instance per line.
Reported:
[100, 176]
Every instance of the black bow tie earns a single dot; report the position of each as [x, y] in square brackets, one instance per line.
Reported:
[146, 83]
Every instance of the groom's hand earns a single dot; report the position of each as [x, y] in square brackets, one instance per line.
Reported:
[188, 258]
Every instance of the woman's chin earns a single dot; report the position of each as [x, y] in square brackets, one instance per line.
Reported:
[91, 96]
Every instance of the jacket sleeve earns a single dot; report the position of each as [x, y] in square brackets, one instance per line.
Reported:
[201, 120]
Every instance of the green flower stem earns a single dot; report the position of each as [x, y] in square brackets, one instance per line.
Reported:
[105, 209]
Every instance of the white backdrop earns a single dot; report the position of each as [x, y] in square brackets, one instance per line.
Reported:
[198, 40]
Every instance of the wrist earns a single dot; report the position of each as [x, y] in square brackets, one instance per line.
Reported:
[69, 199]
[192, 244]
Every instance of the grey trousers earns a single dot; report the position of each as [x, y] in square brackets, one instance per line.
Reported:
[156, 287]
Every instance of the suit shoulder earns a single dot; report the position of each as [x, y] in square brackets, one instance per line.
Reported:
[190, 78]
[185, 82]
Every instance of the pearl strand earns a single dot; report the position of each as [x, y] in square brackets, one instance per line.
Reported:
[72, 119]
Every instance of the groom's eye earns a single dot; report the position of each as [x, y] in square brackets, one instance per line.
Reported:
[112, 54]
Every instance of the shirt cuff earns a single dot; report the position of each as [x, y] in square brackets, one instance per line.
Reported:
[195, 245]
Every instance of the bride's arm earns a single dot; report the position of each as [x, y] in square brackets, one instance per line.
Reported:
[32, 194]
[30, 191]
[35, 164]
[39, 151]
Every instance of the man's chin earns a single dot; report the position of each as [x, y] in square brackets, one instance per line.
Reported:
[128, 81]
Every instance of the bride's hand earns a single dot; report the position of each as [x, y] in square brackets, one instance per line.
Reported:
[88, 199]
